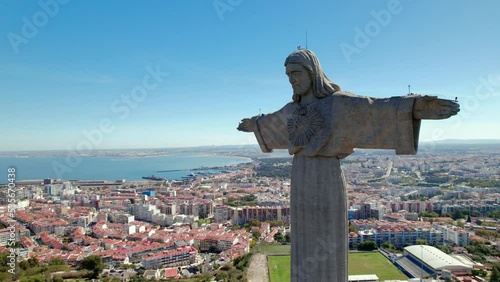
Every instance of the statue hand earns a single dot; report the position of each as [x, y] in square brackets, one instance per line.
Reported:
[248, 125]
[431, 107]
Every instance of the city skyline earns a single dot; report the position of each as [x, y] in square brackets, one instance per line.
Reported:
[88, 76]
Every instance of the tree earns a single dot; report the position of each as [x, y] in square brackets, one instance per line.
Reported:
[494, 214]
[7, 277]
[479, 272]
[252, 244]
[288, 238]
[480, 250]
[24, 265]
[490, 224]
[368, 245]
[256, 235]
[445, 249]
[247, 227]
[57, 261]
[421, 242]
[388, 245]
[33, 262]
[278, 237]
[495, 275]
[276, 223]
[4, 260]
[488, 234]
[35, 278]
[254, 223]
[446, 214]
[475, 213]
[234, 227]
[221, 276]
[457, 214]
[93, 263]
[428, 214]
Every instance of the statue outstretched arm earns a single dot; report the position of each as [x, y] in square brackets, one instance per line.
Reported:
[248, 124]
[431, 107]
[270, 130]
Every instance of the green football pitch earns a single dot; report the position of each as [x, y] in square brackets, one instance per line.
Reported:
[359, 263]
[279, 268]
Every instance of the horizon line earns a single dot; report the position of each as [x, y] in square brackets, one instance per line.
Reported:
[471, 141]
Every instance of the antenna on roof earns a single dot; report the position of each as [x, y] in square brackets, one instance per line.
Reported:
[409, 92]
[306, 38]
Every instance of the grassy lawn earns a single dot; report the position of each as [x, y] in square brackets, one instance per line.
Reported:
[274, 249]
[279, 268]
[374, 263]
[359, 263]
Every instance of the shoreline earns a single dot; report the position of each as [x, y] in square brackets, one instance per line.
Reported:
[205, 167]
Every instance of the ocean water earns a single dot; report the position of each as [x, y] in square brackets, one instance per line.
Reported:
[112, 168]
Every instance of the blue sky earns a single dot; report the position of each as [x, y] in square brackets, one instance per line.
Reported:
[65, 67]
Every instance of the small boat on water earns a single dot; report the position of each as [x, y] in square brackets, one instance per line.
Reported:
[152, 177]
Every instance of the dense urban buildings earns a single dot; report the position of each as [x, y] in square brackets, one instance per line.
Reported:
[409, 203]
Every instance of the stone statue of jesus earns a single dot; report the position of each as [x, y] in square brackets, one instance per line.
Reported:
[319, 127]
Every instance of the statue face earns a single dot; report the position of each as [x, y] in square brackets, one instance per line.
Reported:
[299, 78]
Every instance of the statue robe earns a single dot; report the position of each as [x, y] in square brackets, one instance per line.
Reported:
[319, 135]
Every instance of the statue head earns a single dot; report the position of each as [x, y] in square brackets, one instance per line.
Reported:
[321, 85]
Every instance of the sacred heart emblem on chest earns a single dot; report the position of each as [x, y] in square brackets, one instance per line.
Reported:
[303, 125]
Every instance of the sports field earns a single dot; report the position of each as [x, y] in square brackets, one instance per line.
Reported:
[279, 268]
[374, 263]
[359, 263]
[274, 249]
